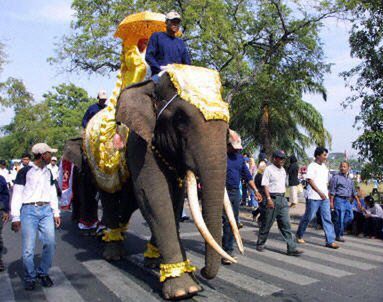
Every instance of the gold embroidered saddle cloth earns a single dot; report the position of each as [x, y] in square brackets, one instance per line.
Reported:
[198, 86]
[107, 164]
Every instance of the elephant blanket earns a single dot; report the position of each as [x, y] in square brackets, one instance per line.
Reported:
[108, 165]
[201, 87]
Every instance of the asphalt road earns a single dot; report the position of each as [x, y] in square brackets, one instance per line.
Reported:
[352, 273]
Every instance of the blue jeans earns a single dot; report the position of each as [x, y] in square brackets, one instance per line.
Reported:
[228, 237]
[37, 219]
[343, 215]
[253, 202]
[312, 206]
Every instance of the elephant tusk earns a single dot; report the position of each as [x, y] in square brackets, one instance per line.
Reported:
[198, 219]
[233, 223]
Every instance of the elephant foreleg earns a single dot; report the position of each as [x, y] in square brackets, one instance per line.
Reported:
[155, 202]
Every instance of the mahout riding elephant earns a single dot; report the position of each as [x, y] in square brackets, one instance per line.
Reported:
[171, 142]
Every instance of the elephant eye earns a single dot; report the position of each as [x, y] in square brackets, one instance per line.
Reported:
[180, 119]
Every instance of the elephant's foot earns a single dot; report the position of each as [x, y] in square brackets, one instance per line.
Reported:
[114, 251]
[152, 262]
[180, 287]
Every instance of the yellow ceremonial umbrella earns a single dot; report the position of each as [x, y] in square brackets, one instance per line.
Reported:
[141, 25]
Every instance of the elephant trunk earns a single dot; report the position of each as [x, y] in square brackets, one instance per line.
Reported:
[211, 161]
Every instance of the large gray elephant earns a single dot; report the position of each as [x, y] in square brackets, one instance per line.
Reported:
[170, 143]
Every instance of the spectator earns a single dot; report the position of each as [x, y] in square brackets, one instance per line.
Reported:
[4, 214]
[358, 221]
[276, 205]
[54, 168]
[93, 109]
[374, 218]
[253, 171]
[5, 172]
[26, 159]
[236, 170]
[258, 183]
[293, 181]
[35, 193]
[342, 191]
[318, 198]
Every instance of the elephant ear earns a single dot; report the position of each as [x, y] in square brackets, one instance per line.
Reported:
[72, 151]
[135, 109]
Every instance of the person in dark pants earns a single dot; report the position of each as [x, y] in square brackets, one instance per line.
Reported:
[236, 170]
[4, 214]
[342, 191]
[276, 207]
[293, 181]
[374, 218]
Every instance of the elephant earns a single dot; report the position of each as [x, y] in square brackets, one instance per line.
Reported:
[169, 144]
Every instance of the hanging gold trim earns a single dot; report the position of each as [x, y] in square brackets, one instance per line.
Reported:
[175, 269]
[151, 251]
[112, 235]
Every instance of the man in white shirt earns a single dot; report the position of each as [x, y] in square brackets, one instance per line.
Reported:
[54, 168]
[34, 207]
[276, 205]
[318, 198]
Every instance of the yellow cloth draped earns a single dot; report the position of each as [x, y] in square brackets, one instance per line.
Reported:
[200, 87]
[133, 68]
[108, 164]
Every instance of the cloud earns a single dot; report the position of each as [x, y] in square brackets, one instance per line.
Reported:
[57, 12]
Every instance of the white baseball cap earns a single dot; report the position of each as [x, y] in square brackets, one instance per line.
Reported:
[173, 15]
[235, 140]
[54, 158]
[102, 95]
[41, 148]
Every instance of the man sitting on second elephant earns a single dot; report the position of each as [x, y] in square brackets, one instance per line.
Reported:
[165, 48]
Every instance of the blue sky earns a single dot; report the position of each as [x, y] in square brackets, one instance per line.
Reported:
[30, 28]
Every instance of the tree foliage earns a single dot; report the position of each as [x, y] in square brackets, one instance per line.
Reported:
[366, 79]
[53, 120]
[268, 53]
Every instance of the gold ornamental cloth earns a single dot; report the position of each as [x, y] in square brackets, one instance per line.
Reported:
[200, 87]
[140, 25]
[108, 165]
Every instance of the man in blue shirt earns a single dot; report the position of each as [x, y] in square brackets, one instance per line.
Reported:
[165, 48]
[342, 193]
[236, 170]
[4, 213]
[93, 109]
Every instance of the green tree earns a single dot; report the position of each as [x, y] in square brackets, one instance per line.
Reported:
[366, 79]
[268, 53]
[54, 120]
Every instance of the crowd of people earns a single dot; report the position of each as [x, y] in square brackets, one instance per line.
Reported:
[334, 201]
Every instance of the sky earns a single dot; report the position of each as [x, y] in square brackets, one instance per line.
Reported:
[29, 29]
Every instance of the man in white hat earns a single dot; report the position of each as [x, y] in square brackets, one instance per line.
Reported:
[54, 167]
[236, 170]
[34, 208]
[165, 48]
[93, 109]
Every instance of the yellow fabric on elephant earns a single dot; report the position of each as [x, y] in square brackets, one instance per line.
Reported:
[108, 164]
[133, 68]
[200, 87]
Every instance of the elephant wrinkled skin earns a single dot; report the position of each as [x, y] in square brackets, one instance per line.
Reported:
[160, 150]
